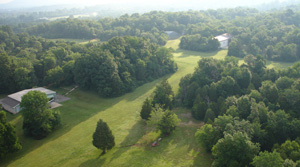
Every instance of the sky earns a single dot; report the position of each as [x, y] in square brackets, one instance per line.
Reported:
[93, 2]
[193, 3]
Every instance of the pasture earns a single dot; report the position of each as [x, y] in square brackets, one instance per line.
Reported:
[71, 145]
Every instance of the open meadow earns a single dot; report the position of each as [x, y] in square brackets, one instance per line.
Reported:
[71, 145]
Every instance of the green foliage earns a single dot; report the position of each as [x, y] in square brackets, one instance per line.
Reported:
[284, 83]
[54, 76]
[38, 121]
[103, 138]
[289, 101]
[199, 43]
[268, 159]
[155, 116]
[207, 136]
[146, 109]
[235, 49]
[122, 64]
[164, 95]
[234, 150]
[269, 91]
[199, 110]
[289, 163]
[8, 139]
[6, 73]
[289, 150]
[209, 115]
[168, 122]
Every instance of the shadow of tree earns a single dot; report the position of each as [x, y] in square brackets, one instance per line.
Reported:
[93, 162]
[135, 134]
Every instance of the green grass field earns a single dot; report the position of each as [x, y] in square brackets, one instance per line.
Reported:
[71, 145]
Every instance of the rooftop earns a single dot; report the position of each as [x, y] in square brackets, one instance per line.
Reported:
[223, 37]
[9, 101]
[18, 96]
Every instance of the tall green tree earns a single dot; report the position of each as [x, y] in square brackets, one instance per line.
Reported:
[164, 95]
[39, 120]
[234, 150]
[146, 109]
[6, 73]
[207, 136]
[9, 141]
[168, 122]
[268, 159]
[103, 138]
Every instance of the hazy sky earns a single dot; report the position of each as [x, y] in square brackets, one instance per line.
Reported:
[121, 1]
[190, 4]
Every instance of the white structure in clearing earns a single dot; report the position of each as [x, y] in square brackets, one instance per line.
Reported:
[224, 40]
[12, 102]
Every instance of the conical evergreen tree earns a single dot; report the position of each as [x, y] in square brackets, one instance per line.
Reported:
[103, 138]
[146, 109]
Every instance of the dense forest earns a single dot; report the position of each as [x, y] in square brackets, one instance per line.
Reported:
[113, 68]
[274, 35]
[248, 103]
[250, 112]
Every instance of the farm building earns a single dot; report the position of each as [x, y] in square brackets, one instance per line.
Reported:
[224, 40]
[12, 102]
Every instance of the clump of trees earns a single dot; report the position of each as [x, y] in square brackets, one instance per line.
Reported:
[122, 64]
[103, 138]
[112, 68]
[157, 111]
[9, 141]
[251, 103]
[198, 43]
[38, 119]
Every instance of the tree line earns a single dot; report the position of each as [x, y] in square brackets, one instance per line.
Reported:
[112, 68]
[273, 34]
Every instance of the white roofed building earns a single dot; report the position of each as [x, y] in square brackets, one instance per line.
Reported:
[12, 102]
[224, 40]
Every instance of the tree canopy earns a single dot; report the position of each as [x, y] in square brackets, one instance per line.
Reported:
[9, 141]
[38, 119]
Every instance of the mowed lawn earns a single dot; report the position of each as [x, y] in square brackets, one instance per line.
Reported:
[71, 145]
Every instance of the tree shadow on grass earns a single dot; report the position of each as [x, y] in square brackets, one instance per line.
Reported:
[146, 87]
[82, 106]
[93, 162]
[135, 134]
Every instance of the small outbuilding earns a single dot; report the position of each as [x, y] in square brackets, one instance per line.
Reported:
[12, 102]
[224, 40]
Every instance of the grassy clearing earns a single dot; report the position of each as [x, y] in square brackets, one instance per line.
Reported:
[71, 145]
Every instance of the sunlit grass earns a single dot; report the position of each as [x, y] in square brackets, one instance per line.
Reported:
[71, 145]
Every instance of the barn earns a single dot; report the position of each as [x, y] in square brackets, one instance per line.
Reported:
[12, 102]
[224, 40]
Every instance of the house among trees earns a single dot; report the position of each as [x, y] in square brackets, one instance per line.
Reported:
[12, 102]
[224, 40]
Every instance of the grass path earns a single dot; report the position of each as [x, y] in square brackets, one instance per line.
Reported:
[71, 145]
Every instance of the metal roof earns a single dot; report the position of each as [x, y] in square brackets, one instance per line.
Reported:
[9, 101]
[223, 37]
[18, 96]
